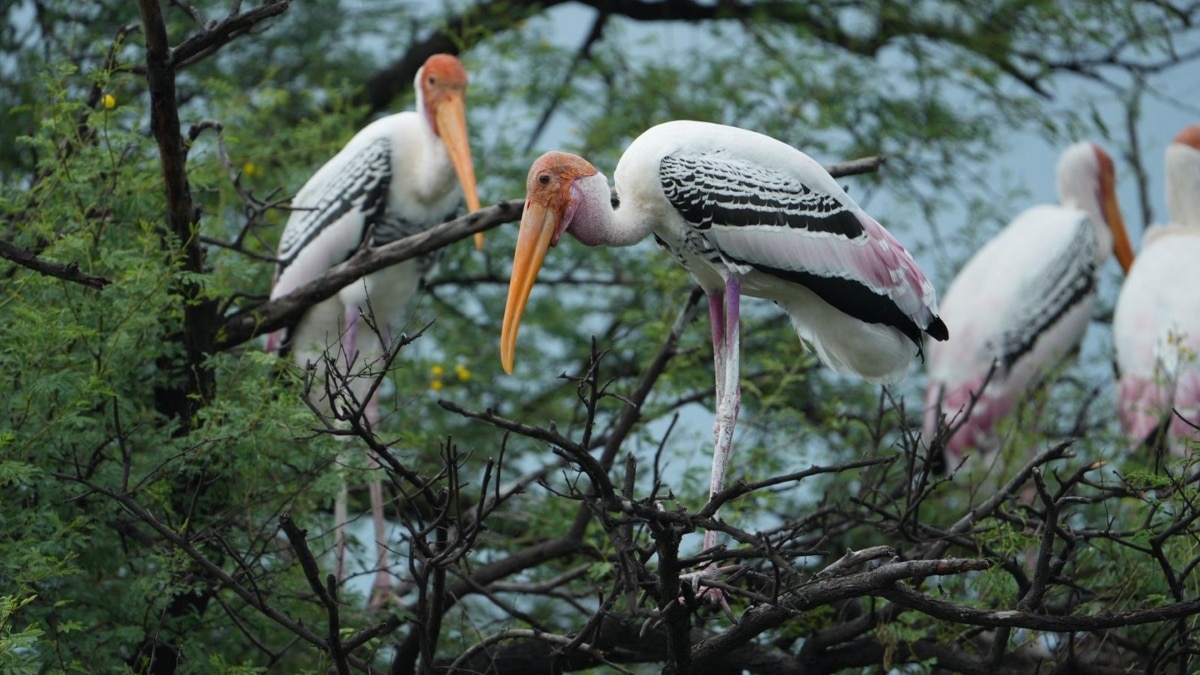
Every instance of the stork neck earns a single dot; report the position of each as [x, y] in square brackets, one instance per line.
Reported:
[1183, 185]
[437, 172]
[597, 223]
[1085, 196]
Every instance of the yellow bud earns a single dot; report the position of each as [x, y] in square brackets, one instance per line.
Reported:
[462, 372]
[110, 102]
[436, 385]
[437, 371]
[249, 169]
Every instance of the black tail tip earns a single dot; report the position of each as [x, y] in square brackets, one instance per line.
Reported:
[937, 329]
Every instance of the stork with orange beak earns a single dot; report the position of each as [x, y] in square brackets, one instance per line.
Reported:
[743, 213]
[1156, 327]
[1023, 302]
[400, 175]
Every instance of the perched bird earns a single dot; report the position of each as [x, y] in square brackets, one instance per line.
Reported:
[1023, 303]
[744, 213]
[1156, 328]
[399, 176]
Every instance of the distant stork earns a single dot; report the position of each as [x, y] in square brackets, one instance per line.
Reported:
[398, 176]
[1156, 328]
[744, 213]
[1023, 303]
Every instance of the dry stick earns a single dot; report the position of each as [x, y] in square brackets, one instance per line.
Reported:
[742, 487]
[275, 314]
[962, 614]
[964, 524]
[526, 634]
[327, 596]
[624, 424]
[878, 581]
[68, 272]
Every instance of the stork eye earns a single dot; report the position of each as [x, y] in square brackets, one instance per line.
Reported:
[432, 80]
[544, 179]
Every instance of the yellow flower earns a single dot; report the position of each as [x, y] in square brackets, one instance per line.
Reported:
[110, 102]
[249, 169]
[462, 372]
[436, 385]
[437, 371]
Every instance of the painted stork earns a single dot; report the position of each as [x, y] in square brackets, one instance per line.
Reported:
[398, 176]
[1156, 328]
[744, 213]
[1023, 302]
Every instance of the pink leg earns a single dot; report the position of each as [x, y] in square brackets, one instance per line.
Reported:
[716, 315]
[383, 584]
[724, 311]
[339, 530]
[350, 336]
[382, 587]
[726, 361]
[340, 515]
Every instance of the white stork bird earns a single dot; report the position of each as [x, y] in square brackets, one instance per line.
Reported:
[744, 213]
[399, 176]
[1023, 302]
[1156, 328]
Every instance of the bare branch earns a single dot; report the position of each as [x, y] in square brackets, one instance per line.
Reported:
[69, 272]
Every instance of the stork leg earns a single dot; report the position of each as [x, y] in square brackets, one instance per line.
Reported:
[340, 515]
[724, 308]
[381, 590]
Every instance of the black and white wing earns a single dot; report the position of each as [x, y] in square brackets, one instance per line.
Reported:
[333, 213]
[792, 222]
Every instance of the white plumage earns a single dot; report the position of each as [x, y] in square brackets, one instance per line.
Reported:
[1156, 327]
[744, 213]
[399, 176]
[1023, 302]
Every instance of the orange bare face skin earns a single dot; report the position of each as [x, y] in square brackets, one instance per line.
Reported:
[548, 208]
[1112, 210]
[444, 89]
[1190, 136]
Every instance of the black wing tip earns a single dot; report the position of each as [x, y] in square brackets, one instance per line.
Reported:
[937, 329]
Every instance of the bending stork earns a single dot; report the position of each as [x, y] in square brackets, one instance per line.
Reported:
[1156, 328]
[399, 176]
[1023, 302]
[744, 213]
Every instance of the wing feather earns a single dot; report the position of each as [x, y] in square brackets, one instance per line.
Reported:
[1068, 280]
[354, 181]
[773, 221]
[333, 213]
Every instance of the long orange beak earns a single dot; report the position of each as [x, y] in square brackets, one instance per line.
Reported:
[1116, 224]
[452, 126]
[538, 225]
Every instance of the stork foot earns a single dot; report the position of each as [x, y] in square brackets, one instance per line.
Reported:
[706, 595]
[382, 592]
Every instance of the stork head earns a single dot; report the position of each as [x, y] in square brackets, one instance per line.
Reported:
[1087, 180]
[552, 198]
[1183, 178]
[442, 85]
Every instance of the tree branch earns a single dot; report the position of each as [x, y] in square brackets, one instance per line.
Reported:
[278, 313]
[759, 619]
[68, 272]
[948, 611]
[204, 44]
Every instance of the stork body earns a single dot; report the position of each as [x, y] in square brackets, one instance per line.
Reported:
[399, 176]
[1022, 303]
[1156, 327]
[745, 214]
